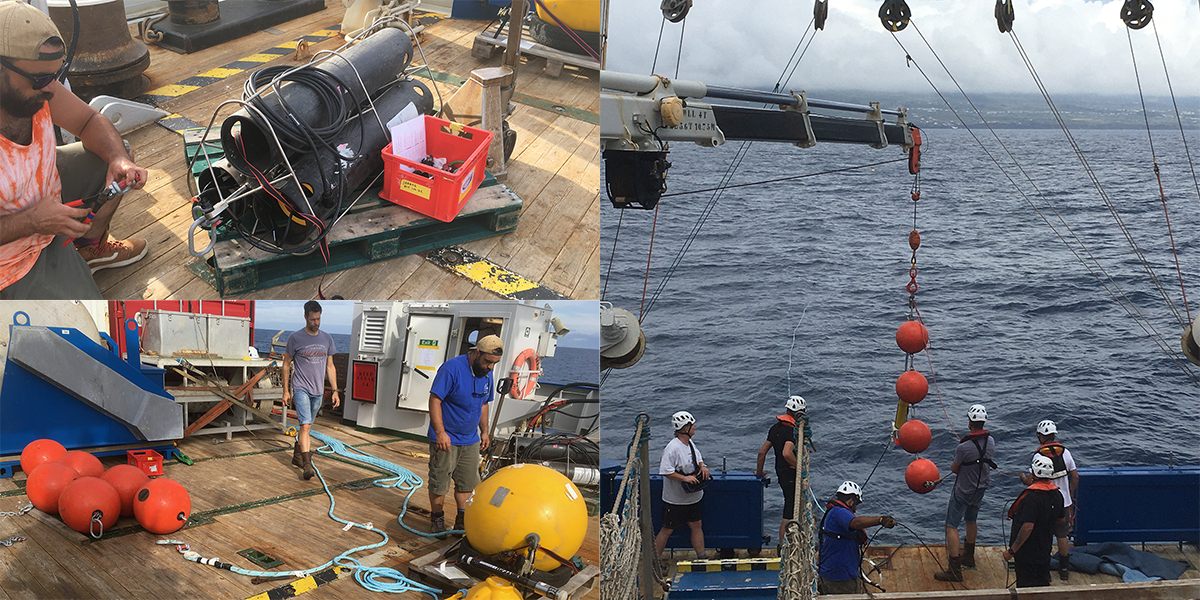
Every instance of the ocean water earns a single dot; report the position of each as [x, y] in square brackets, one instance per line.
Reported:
[568, 365]
[1016, 322]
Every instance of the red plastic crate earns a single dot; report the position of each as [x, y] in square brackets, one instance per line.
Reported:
[442, 194]
[149, 461]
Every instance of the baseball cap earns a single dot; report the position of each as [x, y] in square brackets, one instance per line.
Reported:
[25, 29]
[489, 344]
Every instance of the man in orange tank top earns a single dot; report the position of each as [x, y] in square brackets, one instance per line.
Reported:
[35, 218]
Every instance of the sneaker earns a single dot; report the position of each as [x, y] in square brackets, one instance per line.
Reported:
[110, 253]
[437, 524]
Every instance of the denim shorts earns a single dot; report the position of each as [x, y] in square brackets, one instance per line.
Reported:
[961, 506]
[307, 405]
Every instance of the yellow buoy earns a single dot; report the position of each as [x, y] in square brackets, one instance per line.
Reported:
[492, 588]
[522, 499]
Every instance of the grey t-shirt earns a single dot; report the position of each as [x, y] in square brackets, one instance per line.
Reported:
[309, 354]
[972, 478]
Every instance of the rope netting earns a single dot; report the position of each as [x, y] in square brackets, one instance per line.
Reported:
[620, 530]
[797, 566]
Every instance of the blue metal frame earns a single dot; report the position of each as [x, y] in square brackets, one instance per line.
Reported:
[32, 408]
[1138, 504]
[732, 508]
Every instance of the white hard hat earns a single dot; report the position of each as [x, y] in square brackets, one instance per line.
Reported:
[1042, 467]
[977, 413]
[682, 419]
[796, 404]
[851, 488]
[1046, 427]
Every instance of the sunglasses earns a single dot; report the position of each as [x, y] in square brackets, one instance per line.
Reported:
[39, 81]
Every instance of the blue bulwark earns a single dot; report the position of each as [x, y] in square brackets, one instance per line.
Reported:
[748, 585]
[1119, 504]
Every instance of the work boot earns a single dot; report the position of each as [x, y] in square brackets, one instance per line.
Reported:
[107, 252]
[1064, 563]
[306, 457]
[437, 522]
[968, 555]
[460, 521]
[296, 458]
[953, 572]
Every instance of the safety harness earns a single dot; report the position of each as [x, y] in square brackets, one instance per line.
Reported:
[1055, 452]
[1044, 485]
[974, 438]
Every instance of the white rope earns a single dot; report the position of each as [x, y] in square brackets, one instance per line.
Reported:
[797, 567]
[620, 533]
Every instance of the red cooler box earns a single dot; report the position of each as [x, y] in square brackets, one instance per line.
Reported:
[441, 194]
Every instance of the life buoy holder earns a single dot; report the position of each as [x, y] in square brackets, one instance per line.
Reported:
[525, 360]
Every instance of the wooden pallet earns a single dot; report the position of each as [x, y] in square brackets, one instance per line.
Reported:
[435, 571]
[487, 42]
[375, 230]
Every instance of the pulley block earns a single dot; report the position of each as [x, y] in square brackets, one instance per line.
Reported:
[1004, 15]
[820, 13]
[1137, 13]
[894, 14]
[675, 10]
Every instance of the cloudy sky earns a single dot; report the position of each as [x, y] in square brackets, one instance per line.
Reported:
[1076, 46]
[580, 316]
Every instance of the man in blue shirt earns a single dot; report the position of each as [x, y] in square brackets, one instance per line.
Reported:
[842, 534]
[458, 426]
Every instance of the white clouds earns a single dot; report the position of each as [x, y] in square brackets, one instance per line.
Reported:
[1076, 46]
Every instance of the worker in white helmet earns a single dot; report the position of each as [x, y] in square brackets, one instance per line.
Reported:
[839, 553]
[782, 437]
[972, 457]
[1035, 515]
[684, 477]
[1067, 480]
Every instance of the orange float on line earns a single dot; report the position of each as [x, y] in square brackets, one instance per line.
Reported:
[527, 361]
[127, 480]
[921, 475]
[45, 484]
[83, 463]
[912, 337]
[38, 452]
[162, 506]
[914, 436]
[86, 499]
[912, 387]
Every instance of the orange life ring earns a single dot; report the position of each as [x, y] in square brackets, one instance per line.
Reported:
[528, 358]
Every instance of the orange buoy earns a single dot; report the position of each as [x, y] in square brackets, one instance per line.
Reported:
[127, 480]
[38, 452]
[912, 337]
[85, 464]
[921, 475]
[162, 506]
[86, 500]
[912, 387]
[45, 484]
[914, 436]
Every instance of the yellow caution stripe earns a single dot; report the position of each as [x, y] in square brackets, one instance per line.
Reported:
[490, 276]
[306, 584]
[731, 564]
[167, 92]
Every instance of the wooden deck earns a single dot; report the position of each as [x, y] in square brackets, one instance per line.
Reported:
[909, 574]
[555, 170]
[255, 499]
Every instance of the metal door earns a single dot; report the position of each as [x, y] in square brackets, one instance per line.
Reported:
[426, 345]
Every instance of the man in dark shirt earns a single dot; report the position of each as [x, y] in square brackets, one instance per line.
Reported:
[782, 437]
[1035, 514]
[972, 457]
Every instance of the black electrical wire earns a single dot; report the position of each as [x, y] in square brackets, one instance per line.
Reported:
[299, 138]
